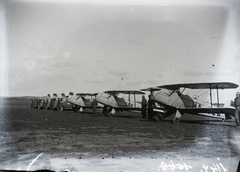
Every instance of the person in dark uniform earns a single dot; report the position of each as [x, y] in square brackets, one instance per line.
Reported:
[151, 105]
[144, 107]
[237, 106]
[48, 102]
[31, 103]
[94, 106]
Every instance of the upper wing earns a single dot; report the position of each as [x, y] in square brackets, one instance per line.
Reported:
[228, 111]
[151, 89]
[124, 92]
[207, 85]
[86, 94]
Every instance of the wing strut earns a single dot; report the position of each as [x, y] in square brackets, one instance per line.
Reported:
[129, 98]
[217, 97]
[183, 90]
[211, 95]
[178, 96]
[134, 100]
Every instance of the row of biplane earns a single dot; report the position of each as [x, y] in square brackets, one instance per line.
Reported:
[64, 102]
[169, 100]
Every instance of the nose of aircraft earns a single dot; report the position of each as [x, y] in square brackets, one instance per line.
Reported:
[73, 99]
[70, 99]
[101, 98]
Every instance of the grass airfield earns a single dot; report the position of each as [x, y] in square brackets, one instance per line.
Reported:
[125, 142]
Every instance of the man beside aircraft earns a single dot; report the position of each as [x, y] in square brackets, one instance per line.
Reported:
[237, 106]
[48, 102]
[151, 105]
[94, 106]
[144, 107]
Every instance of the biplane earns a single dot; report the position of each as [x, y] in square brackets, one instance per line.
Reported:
[63, 103]
[113, 103]
[81, 101]
[173, 100]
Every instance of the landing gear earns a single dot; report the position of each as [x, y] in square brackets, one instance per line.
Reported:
[159, 117]
[107, 111]
[75, 108]
[177, 117]
[227, 116]
[176, 120]
[60, 108]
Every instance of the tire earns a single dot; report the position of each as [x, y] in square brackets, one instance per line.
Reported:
[160, 117]
[60, 108]
[104, 111]
[176, 120]
[75, 108]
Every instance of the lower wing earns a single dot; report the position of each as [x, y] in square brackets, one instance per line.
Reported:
[215, 110]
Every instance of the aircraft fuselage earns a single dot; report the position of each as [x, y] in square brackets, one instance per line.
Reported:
[76, 100]
[172, 98]
[107, 99]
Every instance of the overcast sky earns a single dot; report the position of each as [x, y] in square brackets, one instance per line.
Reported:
[94, 46]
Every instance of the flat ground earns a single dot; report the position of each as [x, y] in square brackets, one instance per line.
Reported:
[125, 142]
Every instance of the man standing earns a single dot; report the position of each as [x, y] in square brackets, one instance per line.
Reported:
[237, 106]
[151, 105]
[48, 102]
[144, 107]
[94, 106]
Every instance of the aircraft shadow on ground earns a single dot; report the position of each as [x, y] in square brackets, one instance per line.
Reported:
[206, 122]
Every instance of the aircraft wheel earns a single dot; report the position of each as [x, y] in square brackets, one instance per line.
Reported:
[159, 116]
[76, 108]
[104, 111]
[176, 120]
[109, 110]
[61, 108]
[109, 114]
